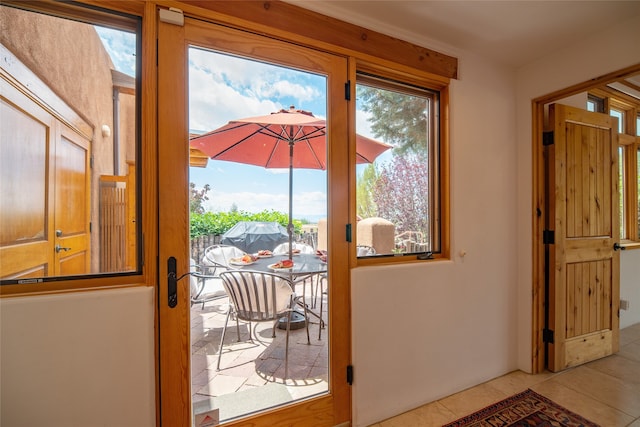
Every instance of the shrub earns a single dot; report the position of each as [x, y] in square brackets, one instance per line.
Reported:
[218, 223]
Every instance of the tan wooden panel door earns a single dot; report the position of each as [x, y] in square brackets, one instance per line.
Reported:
[26, 234]
[71, 211]
[331, 408]
[45, 176]
[584, 268]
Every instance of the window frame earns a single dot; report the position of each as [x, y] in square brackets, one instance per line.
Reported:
[413, 78]
[629, 142]
[129, 18]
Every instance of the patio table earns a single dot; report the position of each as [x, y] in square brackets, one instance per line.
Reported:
[305, 266]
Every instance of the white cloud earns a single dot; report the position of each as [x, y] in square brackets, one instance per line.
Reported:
[121, 47]
[209, 106]
[305, 204]
[286, 88]
[215, 79]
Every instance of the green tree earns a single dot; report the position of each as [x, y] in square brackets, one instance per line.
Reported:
[365, 188]
[407, 206]
[197, 198]
[397, 118]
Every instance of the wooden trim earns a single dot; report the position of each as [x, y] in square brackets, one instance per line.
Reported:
[148, 153]
[631, 179]
[174, 354]
[620, 100]
[197, 158]
[98, 13]
[284, 20]
[445, 175]
[587, 85]
[626, 140]
[403, 74]
[539, 220]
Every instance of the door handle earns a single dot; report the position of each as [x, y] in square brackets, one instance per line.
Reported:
[59, 248]
[617, 247]
[172, 282]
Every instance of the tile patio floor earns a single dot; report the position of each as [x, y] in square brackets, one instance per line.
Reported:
[247, 366]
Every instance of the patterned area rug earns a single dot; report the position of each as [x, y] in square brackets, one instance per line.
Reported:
[527, 409]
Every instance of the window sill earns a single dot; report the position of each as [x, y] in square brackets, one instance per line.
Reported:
[630, 244]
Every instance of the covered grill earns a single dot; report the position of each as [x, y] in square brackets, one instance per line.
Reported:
[251, 236]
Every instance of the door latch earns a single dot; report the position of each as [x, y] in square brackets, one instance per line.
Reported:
[617, 247]
[59, 248]
[172, 282]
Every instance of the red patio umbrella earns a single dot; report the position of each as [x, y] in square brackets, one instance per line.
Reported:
[288, 138]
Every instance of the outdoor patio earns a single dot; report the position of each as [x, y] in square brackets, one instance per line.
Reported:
[251, 376]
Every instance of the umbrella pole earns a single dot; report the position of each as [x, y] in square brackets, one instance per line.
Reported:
[290, 226]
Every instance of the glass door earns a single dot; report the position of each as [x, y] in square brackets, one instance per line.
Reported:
[229, 197]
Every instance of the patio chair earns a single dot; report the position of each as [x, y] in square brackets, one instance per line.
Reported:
[204, 287]
[283, 248]
[216, 257]
[365, 250]
[324, 290]
[256, 296]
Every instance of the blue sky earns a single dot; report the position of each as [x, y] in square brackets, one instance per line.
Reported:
[223, 88]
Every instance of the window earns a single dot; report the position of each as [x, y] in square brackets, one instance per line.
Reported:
[638, 190]
[595, 104]
[69, 181]
[398, 194]
[626, 109]
[620, 116]
[622, 191]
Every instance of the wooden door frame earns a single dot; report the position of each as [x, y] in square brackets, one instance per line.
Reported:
[328, 409]
[539, 207]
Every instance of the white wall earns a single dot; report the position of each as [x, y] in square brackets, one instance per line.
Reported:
[630, 286]
[426, 330]
[78, 359]
[429, 329]
[610, 50]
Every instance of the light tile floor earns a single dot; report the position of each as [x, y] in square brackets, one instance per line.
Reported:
[606, 391]
[248, 366]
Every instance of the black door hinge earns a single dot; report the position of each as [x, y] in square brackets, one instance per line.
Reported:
[547, 336]
[348, 233]
[350, 374]
[347, 90]
[548, 237]
[547, 138]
